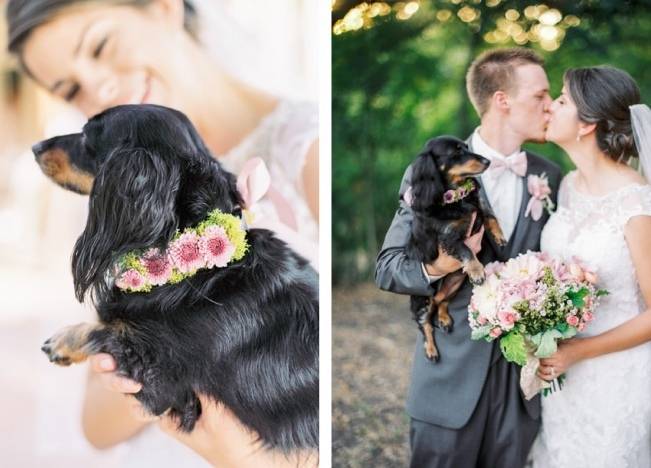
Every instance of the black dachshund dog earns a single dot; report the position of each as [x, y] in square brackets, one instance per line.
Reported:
[246, 335]
[446, 207]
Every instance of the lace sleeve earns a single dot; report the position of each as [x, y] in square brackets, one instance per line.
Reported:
[634, 202]
[295, 132]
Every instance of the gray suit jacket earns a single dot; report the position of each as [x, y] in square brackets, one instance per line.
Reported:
[446, 393]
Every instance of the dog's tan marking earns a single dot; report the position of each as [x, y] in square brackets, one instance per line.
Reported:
[470, 167]
[55, 164]
[70, 345]
[493, 227]
[431, 351]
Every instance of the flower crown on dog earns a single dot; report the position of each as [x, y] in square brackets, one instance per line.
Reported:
[215, 242]
[461, 192]
[450, 196]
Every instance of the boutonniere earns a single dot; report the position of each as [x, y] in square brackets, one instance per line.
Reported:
[539, 190]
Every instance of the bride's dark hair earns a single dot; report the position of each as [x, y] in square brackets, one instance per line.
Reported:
[23, 16]
[602, 95]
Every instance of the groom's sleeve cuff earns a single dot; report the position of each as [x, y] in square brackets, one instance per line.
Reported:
[430, 279]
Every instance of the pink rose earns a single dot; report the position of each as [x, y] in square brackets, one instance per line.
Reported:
[507, 319]
[572, 320]
[587, 317]
[481, 320]
[591, 277]
[581, 326]
[577, 272]
[495, 332]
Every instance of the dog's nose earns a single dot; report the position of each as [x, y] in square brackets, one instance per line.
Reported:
[39, 148]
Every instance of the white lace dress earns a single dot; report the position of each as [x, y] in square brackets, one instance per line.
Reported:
[602, 417]
[282, 140]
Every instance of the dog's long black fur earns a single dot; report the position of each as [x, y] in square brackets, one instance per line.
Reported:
[246, 335]
[443, 165]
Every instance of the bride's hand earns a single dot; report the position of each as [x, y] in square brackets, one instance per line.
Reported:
[568, 354]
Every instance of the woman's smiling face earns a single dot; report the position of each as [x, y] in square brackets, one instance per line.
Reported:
[99, 56]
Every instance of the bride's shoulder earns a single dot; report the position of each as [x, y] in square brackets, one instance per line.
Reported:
[631, 176]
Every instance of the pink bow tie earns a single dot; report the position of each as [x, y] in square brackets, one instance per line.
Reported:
[516, 163]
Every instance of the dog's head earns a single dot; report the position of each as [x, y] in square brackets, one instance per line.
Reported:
[148, 174]
[444, 163]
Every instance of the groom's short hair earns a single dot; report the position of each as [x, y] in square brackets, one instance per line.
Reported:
[494, 70]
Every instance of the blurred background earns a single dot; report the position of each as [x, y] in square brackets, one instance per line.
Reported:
[398, 80]
[39, 223]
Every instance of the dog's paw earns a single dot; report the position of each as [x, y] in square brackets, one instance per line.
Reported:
[495, 231]
[56, 352]
[68, 346]
[475, 272]
[445, 323]
[500, 240]
[431, 352]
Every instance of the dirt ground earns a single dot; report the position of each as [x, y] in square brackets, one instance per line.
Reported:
[373, 340]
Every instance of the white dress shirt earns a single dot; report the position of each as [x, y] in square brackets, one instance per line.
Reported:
[504, 192]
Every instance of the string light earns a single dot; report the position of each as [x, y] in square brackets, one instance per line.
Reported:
[536, 23]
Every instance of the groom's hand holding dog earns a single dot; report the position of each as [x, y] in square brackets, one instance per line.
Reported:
[446, 264]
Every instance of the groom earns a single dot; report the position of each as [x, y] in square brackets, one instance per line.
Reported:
[467, 410]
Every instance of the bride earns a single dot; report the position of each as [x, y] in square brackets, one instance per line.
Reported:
[602, 416]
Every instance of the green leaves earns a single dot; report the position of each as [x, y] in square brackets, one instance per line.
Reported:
[578, 297]
[481, 332]
[513, 348]
[547, 345]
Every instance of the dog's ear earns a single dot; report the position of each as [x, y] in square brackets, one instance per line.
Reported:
[426, 181]
[132, 205]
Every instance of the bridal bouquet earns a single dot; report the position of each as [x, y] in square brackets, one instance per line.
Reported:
[529, 303]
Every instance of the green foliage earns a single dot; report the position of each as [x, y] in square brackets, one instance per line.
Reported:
[547, 345]
[481, 332]
[399, 83]
[514, 348]
[578, 297]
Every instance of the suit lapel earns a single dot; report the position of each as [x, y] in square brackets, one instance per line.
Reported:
[523, 222]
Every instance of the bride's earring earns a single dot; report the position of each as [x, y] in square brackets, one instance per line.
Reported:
[578, 137]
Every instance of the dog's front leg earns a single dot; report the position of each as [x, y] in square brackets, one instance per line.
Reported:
[471, 266]
[490, 223]
[72, 344]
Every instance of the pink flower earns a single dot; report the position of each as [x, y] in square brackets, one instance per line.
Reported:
[587, 317]
[158, 265]
[130, 279]
[572, 320]
[577, 272]
[538, 186]
[507, 319]
[216, 247]
[481, 320]
[539, 189]
[581, 326]
[449, 196]
[495, 332]
[185, 253]
[493, 268]
[591, 277]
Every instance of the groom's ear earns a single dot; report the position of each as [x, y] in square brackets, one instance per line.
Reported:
[500, 101]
